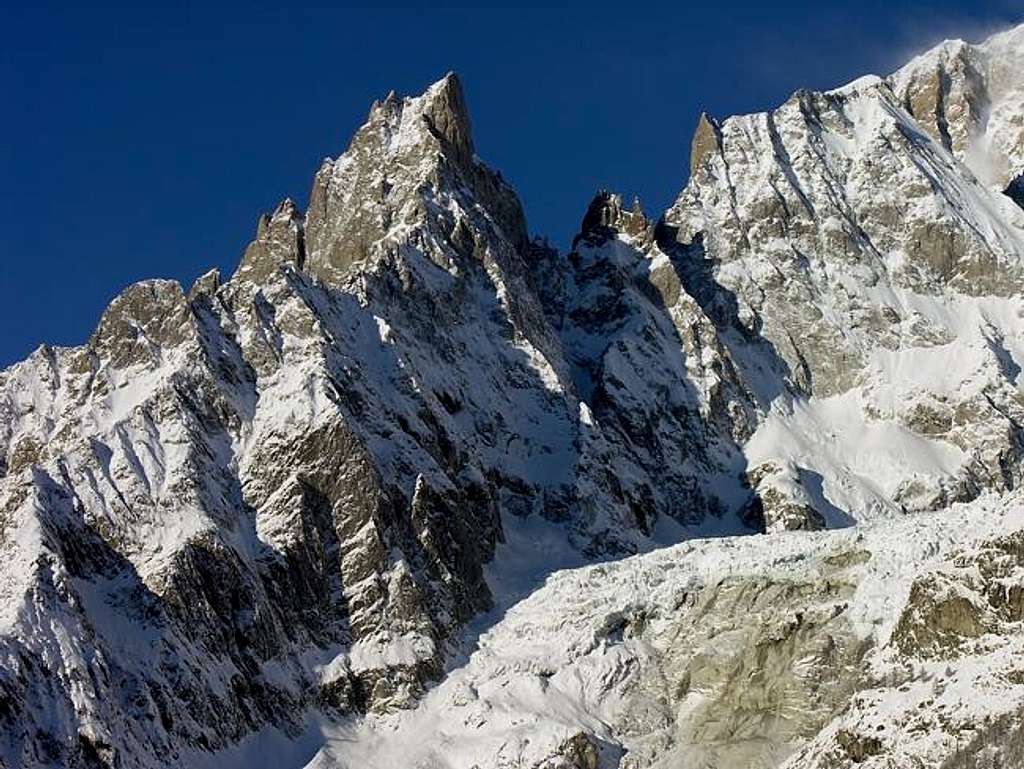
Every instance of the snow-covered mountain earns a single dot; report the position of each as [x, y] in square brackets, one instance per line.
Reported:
[366, 502]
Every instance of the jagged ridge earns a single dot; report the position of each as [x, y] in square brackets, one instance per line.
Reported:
[274, 496]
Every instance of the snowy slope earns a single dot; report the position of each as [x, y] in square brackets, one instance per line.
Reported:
[970, 98]
[371, 500]
[884, 274]
[667, 659]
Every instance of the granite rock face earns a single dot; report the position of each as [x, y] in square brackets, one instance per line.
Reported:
[804, 649]
[276, 507]
[304, 468]
[854, 232]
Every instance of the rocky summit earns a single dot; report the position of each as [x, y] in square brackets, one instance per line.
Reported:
[736, 486]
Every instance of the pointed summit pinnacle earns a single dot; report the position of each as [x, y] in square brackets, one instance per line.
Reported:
[279, 241]
[444, 109]
[606, 216]
[707, 140]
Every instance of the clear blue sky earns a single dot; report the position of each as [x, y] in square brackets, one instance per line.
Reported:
[140, 143]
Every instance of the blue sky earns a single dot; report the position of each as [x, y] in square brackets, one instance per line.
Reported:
[140, 143]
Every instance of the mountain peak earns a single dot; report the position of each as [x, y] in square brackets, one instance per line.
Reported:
[278, 242]
[607, 215]
[968, 98]
[291, 498]
[706, 141]
[372, 197]
[444, 109]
